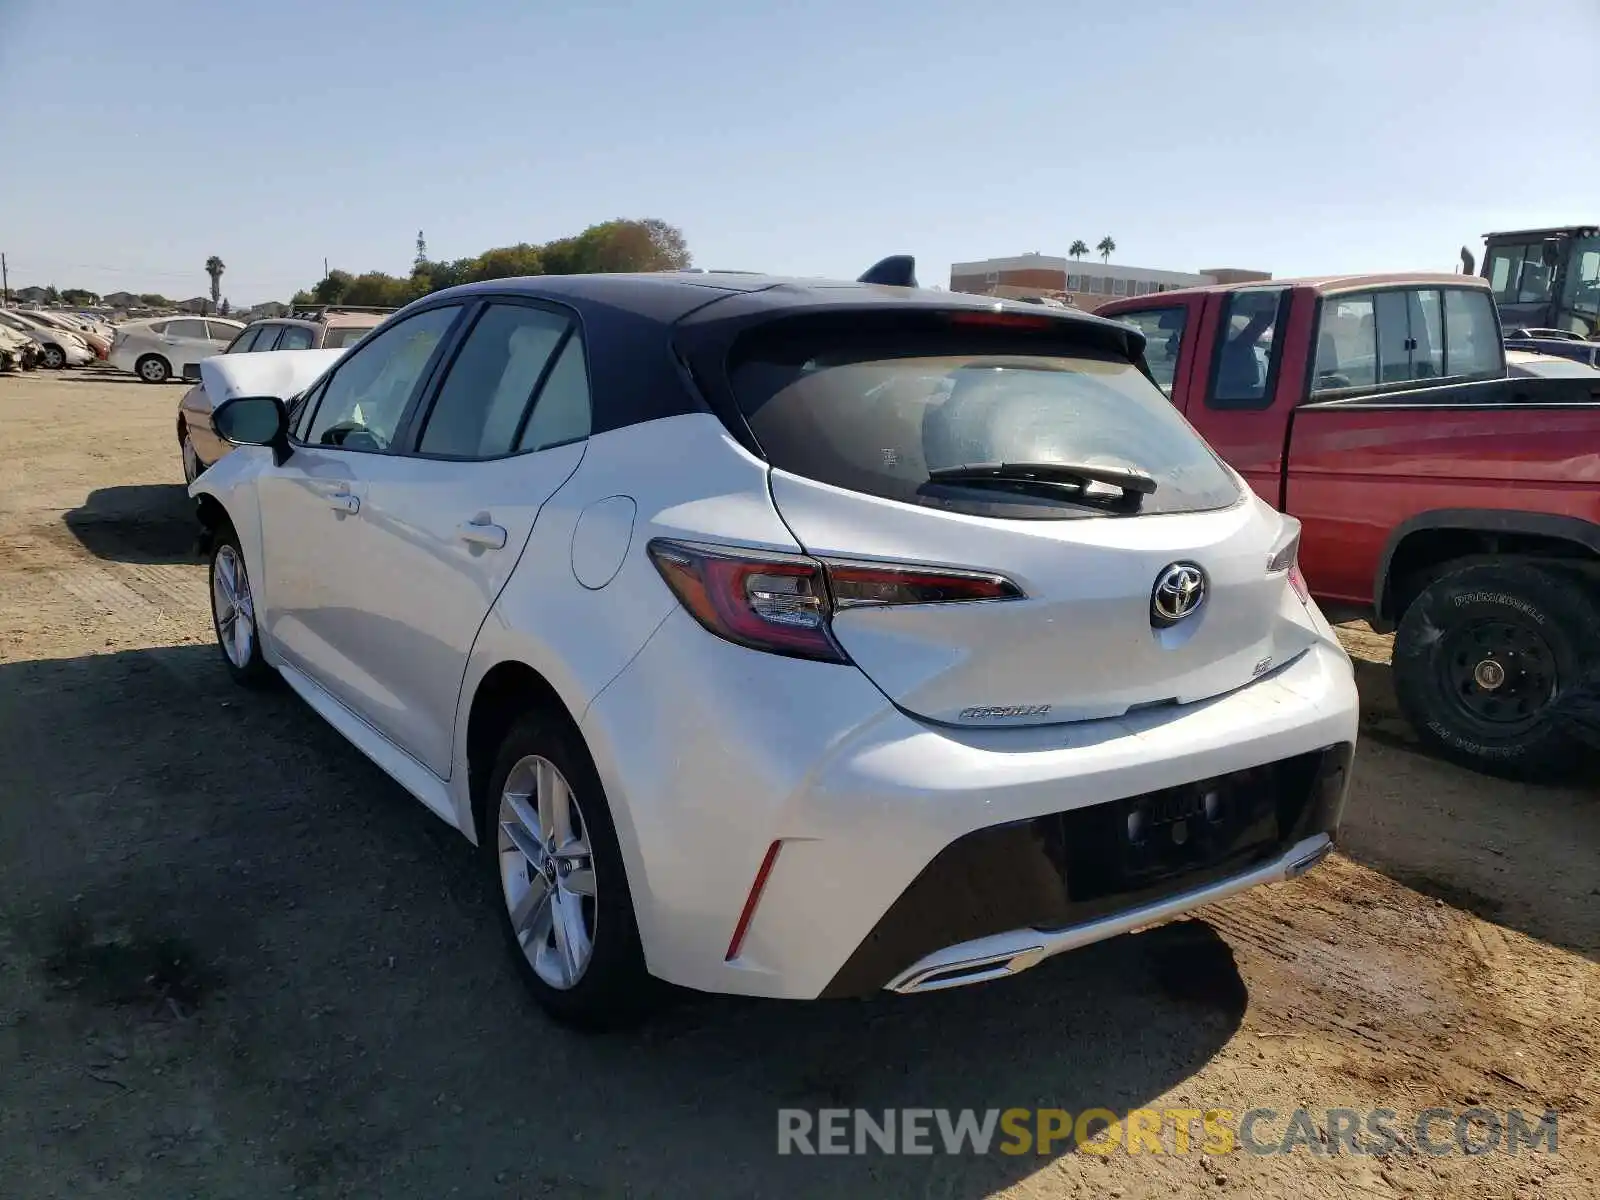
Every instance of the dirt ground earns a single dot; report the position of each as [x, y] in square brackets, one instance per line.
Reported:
[236, 960]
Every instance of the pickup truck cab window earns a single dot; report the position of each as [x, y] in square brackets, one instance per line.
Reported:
[1404, 335]
[1248, 351]
[1163, 330]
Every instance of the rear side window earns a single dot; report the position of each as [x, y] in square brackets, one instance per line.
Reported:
[1163, 330]
[879, 412]
[295, 337]
[188, 329]
[483, 404]
[1472, 335]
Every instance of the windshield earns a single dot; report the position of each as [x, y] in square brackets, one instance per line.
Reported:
[879, 413]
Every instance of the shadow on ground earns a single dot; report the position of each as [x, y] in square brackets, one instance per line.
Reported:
[137, 523]
[1520, 855]
[100, 375]
[234, 954]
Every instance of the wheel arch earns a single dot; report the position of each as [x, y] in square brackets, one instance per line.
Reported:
[1425, 541]
[506, 692]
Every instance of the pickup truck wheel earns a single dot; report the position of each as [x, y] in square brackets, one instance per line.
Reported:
[1480, 659]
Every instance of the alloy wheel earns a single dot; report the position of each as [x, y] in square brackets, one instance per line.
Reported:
[233, 607]
[547, 872]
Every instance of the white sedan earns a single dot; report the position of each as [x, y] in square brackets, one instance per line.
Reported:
[749, 674]
[163, 348]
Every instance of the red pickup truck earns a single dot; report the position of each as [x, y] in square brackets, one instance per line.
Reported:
[1439, 498]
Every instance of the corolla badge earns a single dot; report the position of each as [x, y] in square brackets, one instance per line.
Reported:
[1179, 592]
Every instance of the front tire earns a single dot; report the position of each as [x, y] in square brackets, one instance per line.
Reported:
[1481, 659]
[233, 615]
[193, 468]
[53, 358]
[551, 848]
[152, 368]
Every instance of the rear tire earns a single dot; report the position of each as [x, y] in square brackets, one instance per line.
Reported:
[152, 368]
[1482, 659]
[193, 468]
[545, 784]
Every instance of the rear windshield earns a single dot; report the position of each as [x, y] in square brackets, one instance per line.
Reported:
[336, 336]
[877, 412]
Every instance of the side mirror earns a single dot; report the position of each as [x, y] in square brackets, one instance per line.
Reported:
[254, 421]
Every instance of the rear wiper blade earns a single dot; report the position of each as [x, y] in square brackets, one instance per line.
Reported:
[1130, 480]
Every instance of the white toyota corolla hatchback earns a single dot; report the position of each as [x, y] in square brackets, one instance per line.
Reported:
[779, 637]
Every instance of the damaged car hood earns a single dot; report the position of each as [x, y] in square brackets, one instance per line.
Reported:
[281, 373]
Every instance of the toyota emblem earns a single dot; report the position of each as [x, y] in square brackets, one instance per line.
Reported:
[1179, 592]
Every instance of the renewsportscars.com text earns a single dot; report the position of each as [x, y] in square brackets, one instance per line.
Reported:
[1262, 1131]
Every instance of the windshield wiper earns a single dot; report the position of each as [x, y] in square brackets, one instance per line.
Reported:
[1133, 482]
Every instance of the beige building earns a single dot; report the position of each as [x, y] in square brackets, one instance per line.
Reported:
[1084, 283]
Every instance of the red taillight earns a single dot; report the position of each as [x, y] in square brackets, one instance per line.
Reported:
[783, 603]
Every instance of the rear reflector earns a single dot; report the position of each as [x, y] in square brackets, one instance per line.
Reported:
[784, 603]
[751, 901]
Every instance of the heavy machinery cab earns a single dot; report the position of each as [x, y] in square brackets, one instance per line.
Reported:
[1546, 283]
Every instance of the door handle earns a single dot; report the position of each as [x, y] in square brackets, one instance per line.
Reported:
[344, 502]
[482, 533]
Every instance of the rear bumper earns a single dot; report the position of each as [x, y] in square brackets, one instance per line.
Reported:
[867, 804]
[1009, 953]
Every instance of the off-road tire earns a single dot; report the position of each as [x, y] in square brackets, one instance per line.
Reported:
[1547, 617]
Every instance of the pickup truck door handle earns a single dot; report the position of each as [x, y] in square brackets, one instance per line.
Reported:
[344, 502]
[480, 532]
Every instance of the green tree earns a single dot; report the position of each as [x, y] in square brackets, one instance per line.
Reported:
[1079, 248]
[332, 289]
[1106, 246]
[154, 300]
[78, 296]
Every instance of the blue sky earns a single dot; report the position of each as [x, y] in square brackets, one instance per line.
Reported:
[809, 139]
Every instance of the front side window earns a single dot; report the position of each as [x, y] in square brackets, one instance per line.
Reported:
[363, 403]
[295, 337]
[221, 331]
[1503, 269]
[896, 409]
[1163, 339]
[242, 343]
[1245, 357]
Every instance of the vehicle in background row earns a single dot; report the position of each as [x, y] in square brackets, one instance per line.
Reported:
[18, 351]
[1546, 283]
[157, 349]
[58, 348]
[780, 637]
[101, 346]
[324, 327]
[1441, 496]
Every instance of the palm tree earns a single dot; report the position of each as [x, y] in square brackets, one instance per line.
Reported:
[1079, 248]
[1106, 246]
[214, 268]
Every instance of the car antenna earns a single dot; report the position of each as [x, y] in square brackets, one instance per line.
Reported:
[898, 270]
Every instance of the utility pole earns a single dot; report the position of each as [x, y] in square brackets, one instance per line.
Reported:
[324, 268]
[5, 283]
